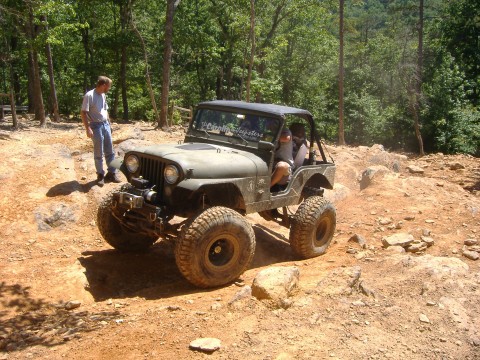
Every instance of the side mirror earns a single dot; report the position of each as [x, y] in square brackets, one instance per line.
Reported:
[265, 145]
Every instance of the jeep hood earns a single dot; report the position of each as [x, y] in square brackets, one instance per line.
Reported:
[207, 161]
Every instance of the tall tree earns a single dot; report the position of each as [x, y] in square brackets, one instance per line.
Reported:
[252, 51]
[147, 72]
[35, 68]
[125, 21]
[416, 95]
[341, 130]
[53, 91]
[167, 60]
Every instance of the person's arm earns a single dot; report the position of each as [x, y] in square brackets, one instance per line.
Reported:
[84, 116]
[285, 136]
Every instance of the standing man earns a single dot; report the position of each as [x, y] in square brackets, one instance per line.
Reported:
[95, 119]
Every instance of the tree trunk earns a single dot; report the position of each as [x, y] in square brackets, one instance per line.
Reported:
[147, 73]
[53, 91]
[85, 42]
[37, 87]
[125, 19]
[252, 51]
[16, 78]
[31, 81]
[39, 108]
[418, 88]
[114, 109]
[123, 81]
[167, 59]
[341, 131]
[12, 98]
[12, 91]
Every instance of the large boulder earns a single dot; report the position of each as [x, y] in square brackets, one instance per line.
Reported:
[275, 285]
[372, 173]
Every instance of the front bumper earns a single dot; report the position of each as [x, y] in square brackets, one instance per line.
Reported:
[130, 200]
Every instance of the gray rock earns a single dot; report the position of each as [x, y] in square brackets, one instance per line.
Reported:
[472, 255]
[470, 242]
[456, 166]
[369, 174]
[413, 169]
[417, 247]
[73, 304]
[384, 221]
[365, 289]
[474, 248]
[244, 293]
[276, 284]
[340, 281]
[359, 239]
[428, 240]
[424, 319]
[399, 239]
[206, 344]
[395, 249]
[58, 215]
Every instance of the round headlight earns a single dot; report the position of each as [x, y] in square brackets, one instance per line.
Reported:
[171, 174]
[132, 163]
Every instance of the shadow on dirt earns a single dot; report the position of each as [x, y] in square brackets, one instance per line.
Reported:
[114, 275]
[271, 248]
[68, 187]
[27, 322]
[152, 275]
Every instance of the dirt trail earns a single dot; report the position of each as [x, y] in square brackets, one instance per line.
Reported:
[64, 293]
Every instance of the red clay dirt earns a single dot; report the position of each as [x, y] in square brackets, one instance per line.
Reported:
[64, 293]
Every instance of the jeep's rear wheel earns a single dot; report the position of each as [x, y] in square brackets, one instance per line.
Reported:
[215, 247]
[117, 235]
[312, 227]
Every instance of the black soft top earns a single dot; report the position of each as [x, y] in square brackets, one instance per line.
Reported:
[277, 110]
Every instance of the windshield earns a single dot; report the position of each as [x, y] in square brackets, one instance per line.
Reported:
[247, 127]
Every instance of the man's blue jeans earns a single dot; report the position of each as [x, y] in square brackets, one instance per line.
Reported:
[102, 146]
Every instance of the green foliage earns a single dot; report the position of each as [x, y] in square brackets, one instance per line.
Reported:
[295, 63]
[453, 124]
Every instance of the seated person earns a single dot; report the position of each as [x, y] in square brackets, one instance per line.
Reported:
[283, 159]
[300, 144]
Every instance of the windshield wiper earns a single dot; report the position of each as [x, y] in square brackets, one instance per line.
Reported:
[238, 136]
[206, 133]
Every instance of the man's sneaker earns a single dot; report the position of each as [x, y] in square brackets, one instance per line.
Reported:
[100, 180]
[113, 177]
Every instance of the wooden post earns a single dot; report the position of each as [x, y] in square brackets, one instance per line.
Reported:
[2, 113]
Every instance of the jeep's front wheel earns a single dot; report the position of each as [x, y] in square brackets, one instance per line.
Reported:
[215, 247]
[312, 227]
[115, 234]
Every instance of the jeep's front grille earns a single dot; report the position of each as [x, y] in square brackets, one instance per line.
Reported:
[152, 170]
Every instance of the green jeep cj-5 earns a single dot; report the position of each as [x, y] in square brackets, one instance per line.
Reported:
[198, 192]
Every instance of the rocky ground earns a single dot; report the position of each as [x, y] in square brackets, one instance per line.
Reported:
[400, 280]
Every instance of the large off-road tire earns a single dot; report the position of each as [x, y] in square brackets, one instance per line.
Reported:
[215, 247]
[312, 227]
[117, 235]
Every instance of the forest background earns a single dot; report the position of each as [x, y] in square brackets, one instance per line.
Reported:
[405, 62]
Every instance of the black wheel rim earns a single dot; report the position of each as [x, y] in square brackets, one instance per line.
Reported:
[220, 252]
[323, 230]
